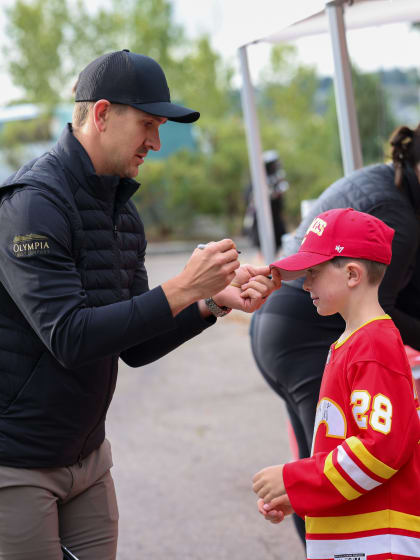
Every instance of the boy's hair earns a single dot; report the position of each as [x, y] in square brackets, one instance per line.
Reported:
[375, 270]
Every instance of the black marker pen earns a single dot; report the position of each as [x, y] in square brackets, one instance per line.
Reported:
[203, 246]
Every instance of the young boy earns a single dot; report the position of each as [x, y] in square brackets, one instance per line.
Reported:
[359, 492]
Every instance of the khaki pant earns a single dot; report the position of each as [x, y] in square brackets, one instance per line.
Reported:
[75, 506]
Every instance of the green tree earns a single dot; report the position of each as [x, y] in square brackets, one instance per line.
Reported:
[207, 181]
[36, 33]
[291, 125]
[375, 119]
[211, 180]
[51, 40]
[16, 136]
[306, 135]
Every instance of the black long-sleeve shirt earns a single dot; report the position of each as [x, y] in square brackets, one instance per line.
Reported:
[74, 297]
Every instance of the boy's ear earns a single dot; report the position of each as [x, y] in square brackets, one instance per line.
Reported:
[355, 273]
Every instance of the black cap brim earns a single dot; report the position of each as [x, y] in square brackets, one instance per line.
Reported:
[172, 112]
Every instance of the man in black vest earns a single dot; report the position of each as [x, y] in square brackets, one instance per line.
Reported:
[74, 298]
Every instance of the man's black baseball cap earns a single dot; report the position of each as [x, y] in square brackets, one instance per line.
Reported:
[131, 79]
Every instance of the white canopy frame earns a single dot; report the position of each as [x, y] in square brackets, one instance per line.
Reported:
[337, 16]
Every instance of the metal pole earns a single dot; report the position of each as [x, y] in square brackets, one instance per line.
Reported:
[351, 152]
[258, 175]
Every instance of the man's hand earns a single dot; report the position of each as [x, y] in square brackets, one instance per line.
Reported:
[268, 483]
[249, 288]
[276, 510]
[211, 269]
[207, 272]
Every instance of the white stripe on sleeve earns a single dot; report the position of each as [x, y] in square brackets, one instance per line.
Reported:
[355, 472]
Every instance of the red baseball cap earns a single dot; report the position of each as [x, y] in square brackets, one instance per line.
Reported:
[341, 232]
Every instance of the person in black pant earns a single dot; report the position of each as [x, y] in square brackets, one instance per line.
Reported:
[289, 340]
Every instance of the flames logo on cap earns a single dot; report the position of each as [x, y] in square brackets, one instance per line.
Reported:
[317, 226]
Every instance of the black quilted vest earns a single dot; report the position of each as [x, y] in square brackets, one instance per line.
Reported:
[107, 240]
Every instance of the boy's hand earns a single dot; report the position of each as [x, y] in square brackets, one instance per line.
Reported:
[276, 510]
[249, 288]
[259, 287]
[268, 483]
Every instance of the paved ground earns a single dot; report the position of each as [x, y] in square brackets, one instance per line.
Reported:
[188, 432]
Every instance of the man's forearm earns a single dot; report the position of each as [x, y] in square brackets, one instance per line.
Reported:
[179, 296]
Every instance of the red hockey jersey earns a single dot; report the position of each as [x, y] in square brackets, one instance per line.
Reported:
[359, 492]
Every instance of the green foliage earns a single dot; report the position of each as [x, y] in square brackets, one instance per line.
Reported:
[291, 125]
[51, 40]
[203, 73]
[16, 135]
[208, 182]
[36, 33]
[211, 180]
[375, 119]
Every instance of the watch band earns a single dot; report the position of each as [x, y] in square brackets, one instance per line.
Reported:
[217, 310]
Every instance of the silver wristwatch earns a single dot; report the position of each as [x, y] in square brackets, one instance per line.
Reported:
[217, 310]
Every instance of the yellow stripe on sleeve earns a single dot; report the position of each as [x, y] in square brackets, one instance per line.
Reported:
[363, 522]
[370, 462]
[338, 481]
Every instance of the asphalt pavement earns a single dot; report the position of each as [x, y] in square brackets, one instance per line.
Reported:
[188, 432]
